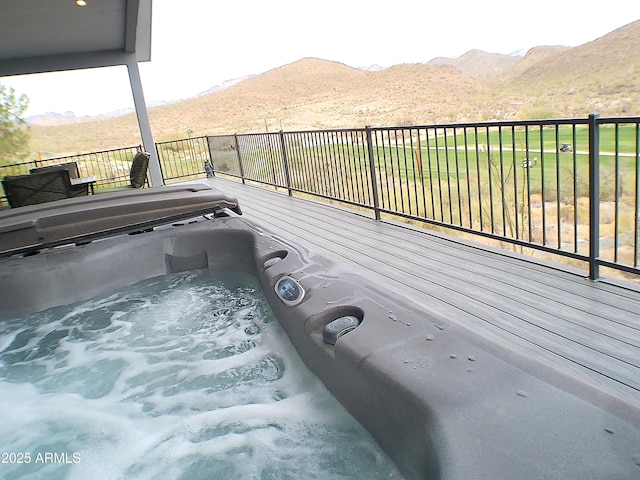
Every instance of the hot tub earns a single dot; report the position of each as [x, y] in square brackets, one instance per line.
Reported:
[441, 403]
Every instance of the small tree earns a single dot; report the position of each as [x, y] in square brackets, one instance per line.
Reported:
[14, 136]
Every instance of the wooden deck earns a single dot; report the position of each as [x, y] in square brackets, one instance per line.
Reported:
[590, 330]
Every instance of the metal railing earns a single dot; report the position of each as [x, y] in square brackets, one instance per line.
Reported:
[110, 167]
[567, 187]
[570, 187]
[184, 159]
[179, 160]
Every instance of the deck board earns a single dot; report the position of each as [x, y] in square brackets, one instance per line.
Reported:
[590, 329]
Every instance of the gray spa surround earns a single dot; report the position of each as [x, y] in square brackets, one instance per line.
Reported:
[443, 403]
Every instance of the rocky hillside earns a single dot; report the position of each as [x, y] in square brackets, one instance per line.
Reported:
[549, 81]
[600, 76]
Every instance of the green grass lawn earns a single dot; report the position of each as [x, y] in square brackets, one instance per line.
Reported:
[510, 154]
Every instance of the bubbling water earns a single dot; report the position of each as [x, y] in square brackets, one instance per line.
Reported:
[182, 377]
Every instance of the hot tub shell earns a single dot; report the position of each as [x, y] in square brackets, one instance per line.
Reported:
[442, 402]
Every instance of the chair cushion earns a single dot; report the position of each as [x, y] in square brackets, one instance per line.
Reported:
[72, 167]
[138, 173]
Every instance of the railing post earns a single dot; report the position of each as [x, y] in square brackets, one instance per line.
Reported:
[285, 162]
[594, 196]
[237, 145]
[372, 174]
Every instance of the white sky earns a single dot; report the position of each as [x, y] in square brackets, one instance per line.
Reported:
[197, 44]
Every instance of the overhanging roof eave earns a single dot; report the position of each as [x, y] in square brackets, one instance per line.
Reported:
[74, 61]
[103, 34]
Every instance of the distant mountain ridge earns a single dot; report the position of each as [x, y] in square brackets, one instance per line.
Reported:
[225, 84]
[479, 64]
[52, 118]
[601, 76]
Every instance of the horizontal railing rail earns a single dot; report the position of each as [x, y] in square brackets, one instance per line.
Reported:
[569, 187]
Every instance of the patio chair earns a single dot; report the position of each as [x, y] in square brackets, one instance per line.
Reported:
[79, 190]
[47, 186]
[137, 174]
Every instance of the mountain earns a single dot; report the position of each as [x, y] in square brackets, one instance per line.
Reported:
[51, 118]
[223, 85]
[600, 76]
[548, 82]
[611, 57]
[316, 93]
[534, 56]
[372, 68]
[479, 64]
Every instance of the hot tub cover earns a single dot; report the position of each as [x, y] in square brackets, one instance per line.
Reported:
[83, 219]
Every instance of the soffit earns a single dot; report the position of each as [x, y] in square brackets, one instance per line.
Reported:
[52, 35]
